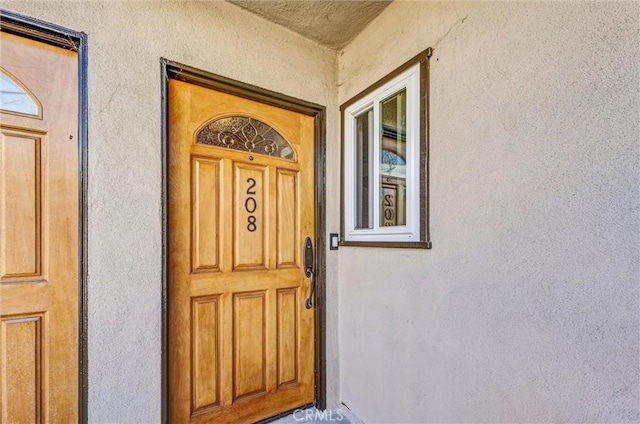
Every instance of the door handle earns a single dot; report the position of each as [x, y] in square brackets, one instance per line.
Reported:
[309, 260]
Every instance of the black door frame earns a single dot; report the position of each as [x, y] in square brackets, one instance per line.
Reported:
[174, 70]
[65, 38]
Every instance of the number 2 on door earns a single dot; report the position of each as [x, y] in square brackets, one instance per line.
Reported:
[250, 205]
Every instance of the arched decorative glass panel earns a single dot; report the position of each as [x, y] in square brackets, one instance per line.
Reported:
[247, 135]
[15, 98]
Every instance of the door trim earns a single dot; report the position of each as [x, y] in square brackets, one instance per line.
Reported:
[65, 38]
[174, 70]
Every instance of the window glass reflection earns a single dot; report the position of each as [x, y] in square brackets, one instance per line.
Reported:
[364, 165]
[393, 160]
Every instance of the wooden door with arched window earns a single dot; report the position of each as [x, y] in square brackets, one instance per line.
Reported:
[39, 222]
[240, 205]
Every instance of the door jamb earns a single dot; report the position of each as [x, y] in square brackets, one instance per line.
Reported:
[174, 70]
[65, 38]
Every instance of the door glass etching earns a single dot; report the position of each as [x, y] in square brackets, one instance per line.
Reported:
[15, 98]
[245, 134]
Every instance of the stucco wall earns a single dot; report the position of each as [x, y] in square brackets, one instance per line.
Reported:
[527, 307]
[126, 40]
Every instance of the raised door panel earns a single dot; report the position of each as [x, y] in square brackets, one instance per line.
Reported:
[205, 216]
[251, 232]
[288, 220]
[288, 345]
[249, 345]
[23, 368]
[21, 192]
[205, 358]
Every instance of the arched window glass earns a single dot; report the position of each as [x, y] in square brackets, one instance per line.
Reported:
[14, 98]
[247, 135]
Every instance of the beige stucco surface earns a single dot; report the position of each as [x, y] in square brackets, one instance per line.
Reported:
[126, 41]
[526, 309]
[329, 22]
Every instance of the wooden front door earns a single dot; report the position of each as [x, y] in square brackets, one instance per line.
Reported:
[240, 205]
[38, 232]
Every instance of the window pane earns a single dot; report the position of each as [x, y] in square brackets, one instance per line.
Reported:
[14, 99]
[393, 160]
[364, 165]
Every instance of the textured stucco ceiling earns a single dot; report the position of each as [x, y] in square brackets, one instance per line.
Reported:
[329, 22]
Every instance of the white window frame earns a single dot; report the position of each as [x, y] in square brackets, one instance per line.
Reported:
[409, 79]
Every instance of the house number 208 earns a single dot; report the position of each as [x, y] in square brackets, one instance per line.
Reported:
[250, 205]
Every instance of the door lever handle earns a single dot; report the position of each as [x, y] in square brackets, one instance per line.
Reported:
[309, 259]
[308, 304]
